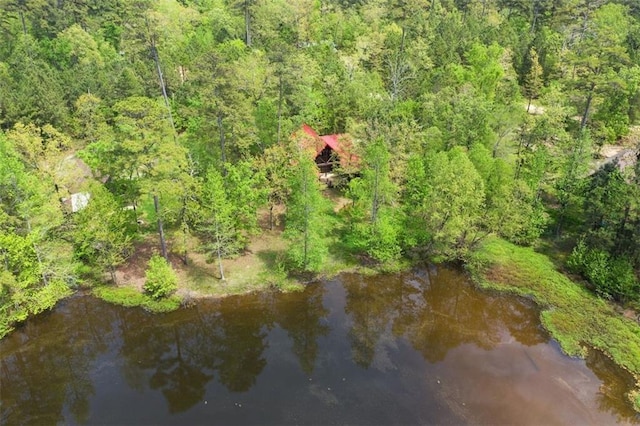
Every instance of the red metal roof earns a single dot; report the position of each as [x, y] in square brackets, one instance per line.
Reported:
[332, 141]
[342, 144]
[308, 130]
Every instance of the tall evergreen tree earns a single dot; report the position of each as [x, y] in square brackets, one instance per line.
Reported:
[533, 78]
[305, 225]
[374, 227]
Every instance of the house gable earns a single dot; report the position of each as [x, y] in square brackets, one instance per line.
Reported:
[329, 150]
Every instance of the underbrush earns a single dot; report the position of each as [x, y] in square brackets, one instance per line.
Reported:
[575, 317]
[31, 303]
[610, 276]
[131, 297]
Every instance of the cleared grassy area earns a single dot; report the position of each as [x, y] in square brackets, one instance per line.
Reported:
[260, 267]
[575, 317]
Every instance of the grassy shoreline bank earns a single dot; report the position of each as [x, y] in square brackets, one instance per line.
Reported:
[260, 267]
[575, 317]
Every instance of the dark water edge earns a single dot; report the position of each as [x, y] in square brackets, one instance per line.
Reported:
[422, 347]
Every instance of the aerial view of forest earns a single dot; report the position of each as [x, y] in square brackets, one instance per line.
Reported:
[157, 153]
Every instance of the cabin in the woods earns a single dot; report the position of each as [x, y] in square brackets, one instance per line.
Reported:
[330, 151]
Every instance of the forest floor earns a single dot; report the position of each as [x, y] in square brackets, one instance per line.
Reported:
[259, 267]
[200, 276]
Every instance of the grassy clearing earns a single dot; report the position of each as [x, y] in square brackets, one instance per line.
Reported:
[575, 317]
[260, 267]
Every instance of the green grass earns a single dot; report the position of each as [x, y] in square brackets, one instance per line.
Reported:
[574, 316]
[131, 297]
[635, 399]
[343, 258]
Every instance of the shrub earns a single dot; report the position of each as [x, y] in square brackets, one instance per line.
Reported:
[625, 287]
[576, 260]
[131, 297]
[161, 278]
[612, 277]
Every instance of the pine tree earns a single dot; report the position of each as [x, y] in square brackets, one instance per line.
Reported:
[374, 224]
[533, 79]
[306, 210]
[218, 219]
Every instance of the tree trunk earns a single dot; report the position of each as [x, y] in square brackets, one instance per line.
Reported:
[42, 271]
[585, 116]
[135, 214]
[519, 159]
[43, 274]
[223, 155]
[112, 271]
[375, 202]
[24, 25]
[396, 72]
[271, 217]
[279, 106]
[5, 256]
[163, 86]
[247, 23]
[163, 243]
[494, 151]
[185, 257]
[219, 252]
[620, 243]
[560, 224]
[185, 228]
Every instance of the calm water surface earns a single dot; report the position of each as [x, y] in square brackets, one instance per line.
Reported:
[415, 348]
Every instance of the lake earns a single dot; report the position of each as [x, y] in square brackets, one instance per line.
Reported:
[421, 347]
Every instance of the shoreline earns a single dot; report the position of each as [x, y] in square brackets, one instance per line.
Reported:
[576, 318]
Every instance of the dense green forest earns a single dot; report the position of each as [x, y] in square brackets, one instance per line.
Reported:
[471, 118]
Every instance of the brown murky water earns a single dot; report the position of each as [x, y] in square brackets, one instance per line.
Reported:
[414, 348]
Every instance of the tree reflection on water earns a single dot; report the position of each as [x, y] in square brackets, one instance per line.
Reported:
[64, 365]
[434, 318]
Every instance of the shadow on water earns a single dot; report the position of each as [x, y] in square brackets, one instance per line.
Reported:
[420, 347]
